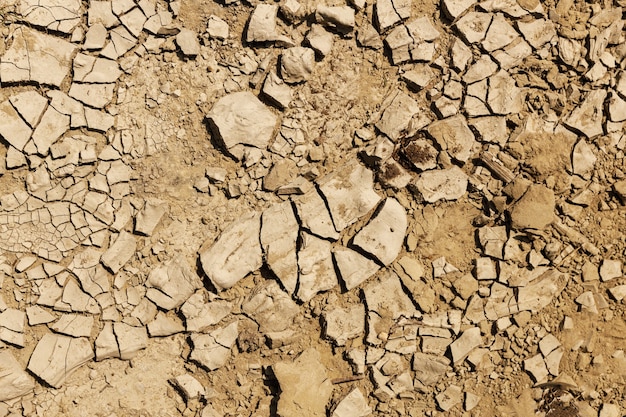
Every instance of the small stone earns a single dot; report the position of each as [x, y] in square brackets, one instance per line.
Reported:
[188, 43]
[610, 269]
[190, 387]
[235, 254]
[535, 210]
[442, 184]
[277, 91]
[340, 18]
[217, 28]
[353, 405]
[320, 40]
[449, 398]
[296, 64]
[240, 119]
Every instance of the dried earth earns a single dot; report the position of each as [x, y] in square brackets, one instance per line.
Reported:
[305, 208]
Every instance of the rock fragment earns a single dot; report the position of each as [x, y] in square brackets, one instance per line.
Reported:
[262, 25]
[464, 344]
[150, 216]
[353, 405]
[349, 192]
[170, 284]
[200, 314]
[279, 234]
[120, 252]
[442, 184]
[277, 91]
[535, 210]
[588, 116]
[212, 350]
[610, 269]
[353, 267]
[235, 254]
[191, 388]
[339, 18]
[413, 41]
[271, 308]
[188, 43]
[305, 387]
[455, 8]
[449, 398]
[240, 119]
[389, 12]
[217, 28]
[382, 237]
[499, 34]
[320, 40]
[55, 357]
[397, 116]
[454, 136]
[296, 64]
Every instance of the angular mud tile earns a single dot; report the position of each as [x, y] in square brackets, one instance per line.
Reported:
[368, 37]
[610, 410]
[618, 292]
[88, 69]
[163, 325]
[536, 368]
[190, 387]
[320, 40]
[296, 64]
[421, 153]
[449, 398]
[386, 301]
[353, 267]
[442, 184]
[200, 314]
[396, 118]
[453, 135]
[212, 350]
[535, 210]
[504, 97]
[172, 283]
[464, 344]
[354, 404]
[610, 269]
[413, 41]
[217, 28]
[78, 300]
[134, 21]
[473, 26]
[37, 315]
[150, 216]
[349, 192]
[279, 233]
[241, 119]
[14, 381]
[61, 16]
[513, 54]
[429, 369]
[30, 105]
[12, 323]
[55, 357]
[271, 308]
[98, 120]
[540, 292]
[389, 12]
[479, 70]
[587, 117]
[454, 8]
[343, 324]
[94, 95]
[537, 32]
[94, 279]
[235, 254]
[339, 18]
[74, 325]
[553, 361]
[121, 42]
[51, 54]
[120, 252]
[314, 215]
[95, 37]
[187, 41]
[12, 128]
[106, 343]
[51, 127]
[130, 339]
[101, 12]
[315, 265]
[66, 105]
[499, 35]
[304, 385]
[145, 311]
[382, 237]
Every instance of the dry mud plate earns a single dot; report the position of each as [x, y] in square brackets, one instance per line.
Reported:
[303, 208]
